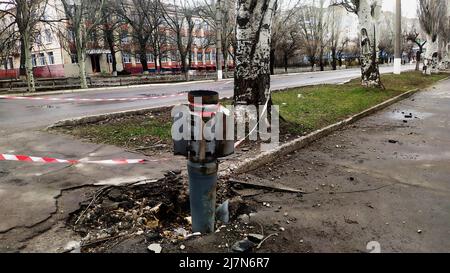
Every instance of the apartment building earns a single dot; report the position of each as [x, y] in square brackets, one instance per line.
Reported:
[54, 56]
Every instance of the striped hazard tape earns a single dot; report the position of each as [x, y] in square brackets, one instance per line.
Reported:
[89, 99]
[26, 158]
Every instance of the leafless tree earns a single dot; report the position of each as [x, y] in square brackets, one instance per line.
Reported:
[285, 35]
[21, 19]
[83, 18]
[110, 26]
[368, 12]
[144, 19]
[179, 18]
[414, 36]
[312, 26]
[253, 40]
[432, 16]
[224, 23]
[386, 37]
[336, 41]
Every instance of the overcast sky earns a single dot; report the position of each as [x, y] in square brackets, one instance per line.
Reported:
[409, 7]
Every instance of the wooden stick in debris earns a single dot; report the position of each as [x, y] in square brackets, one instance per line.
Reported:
[266, 186]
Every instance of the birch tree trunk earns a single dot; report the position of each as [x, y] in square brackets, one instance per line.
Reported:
[368, 15]
[253, 40]
[431, 59]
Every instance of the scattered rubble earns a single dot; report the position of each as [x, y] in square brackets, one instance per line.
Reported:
[155, 248]
[255, 238]
[243, 246]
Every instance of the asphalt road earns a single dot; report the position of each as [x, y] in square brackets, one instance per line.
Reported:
[20, 115]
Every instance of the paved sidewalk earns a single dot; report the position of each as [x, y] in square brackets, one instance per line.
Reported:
[29, 191]
[384, 179]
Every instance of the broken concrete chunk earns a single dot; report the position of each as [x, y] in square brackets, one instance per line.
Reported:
[243, 246]
[73, 247]
[155, 248]
[255, 238]
[244, 218]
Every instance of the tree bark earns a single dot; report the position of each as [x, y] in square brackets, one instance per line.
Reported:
[22, 69]
[81, 55]
[143, 55]
[333, 58]
[322, 65]
[272, 61]
[110, 41]
[370, 72]
[418, 59]
[285, 62]
[253, 39]
[28, 63]
[430, 58]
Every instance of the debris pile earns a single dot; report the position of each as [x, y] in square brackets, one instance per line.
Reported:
[137, 209]
[157, 211]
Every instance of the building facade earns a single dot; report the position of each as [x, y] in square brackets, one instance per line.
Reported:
[55, 57]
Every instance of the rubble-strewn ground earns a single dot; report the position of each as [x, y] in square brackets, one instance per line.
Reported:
[383, 181]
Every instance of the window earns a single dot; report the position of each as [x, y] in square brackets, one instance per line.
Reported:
[33, 60]
[150, 58]
[41, 59]
[51, 58]
[126, 58]
[208, 57]
[200, 57]
[39, 39]
[74, 58]
[137, 58]
[109, 58]
[124, 37]
[48, 36]
[71, 35]
[10, 63]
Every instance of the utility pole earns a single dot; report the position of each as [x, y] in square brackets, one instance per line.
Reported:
[398, 37]
[219, 55]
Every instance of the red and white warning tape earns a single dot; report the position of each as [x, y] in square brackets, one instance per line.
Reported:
[26, 158]
[89, 99]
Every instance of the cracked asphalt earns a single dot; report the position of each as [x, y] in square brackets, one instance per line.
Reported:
[30, 193]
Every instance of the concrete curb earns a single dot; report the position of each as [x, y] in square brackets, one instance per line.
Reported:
[297, 144]
[110, 88]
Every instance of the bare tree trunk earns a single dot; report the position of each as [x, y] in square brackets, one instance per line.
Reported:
[418, 59]
[370, 72]
[285, 62]
[81, 55]
[143, 56]
[272, 61]
[253, 38]
[225, 63]
[22, 69]
[28, 63]
[430, 58]
[333, 58]
[322, 65]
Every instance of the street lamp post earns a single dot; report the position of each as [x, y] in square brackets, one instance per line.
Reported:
[398, 32]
